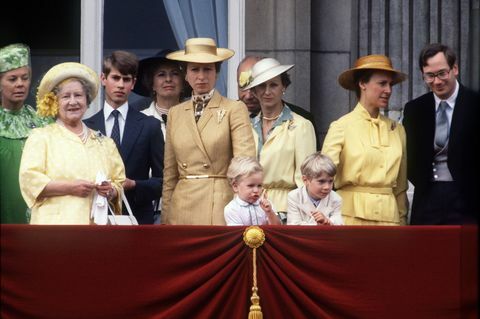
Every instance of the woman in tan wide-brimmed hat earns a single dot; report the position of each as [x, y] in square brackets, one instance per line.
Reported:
[203, 135]
[369, 148]
[66, 168]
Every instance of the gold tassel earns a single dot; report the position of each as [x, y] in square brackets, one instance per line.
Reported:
[254, 237]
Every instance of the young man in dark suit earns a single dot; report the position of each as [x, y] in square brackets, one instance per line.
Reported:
[442, 136]
[138, 137]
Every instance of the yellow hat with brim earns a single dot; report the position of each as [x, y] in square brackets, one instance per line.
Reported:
[369, 62]
[63, 71]
[201, 50]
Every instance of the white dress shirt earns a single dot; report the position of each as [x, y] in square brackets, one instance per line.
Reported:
[241, 213]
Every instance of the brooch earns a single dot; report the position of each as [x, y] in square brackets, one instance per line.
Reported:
[97, 135]
[291, 125]
[393, 126]
[220, 115]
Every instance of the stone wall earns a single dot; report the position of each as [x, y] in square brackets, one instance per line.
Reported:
[323, 38]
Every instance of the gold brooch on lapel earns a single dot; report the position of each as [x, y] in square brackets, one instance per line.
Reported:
[291, 125]
[393, 126]
[220, 115]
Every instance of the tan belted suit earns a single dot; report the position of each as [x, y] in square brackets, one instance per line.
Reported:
[197, 155]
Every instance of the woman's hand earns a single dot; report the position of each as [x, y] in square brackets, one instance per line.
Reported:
[81, 188]
[321, 219]
[106, 189]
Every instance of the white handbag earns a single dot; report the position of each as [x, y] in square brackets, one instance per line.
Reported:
[122, 219]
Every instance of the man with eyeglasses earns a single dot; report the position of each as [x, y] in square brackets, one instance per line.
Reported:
[442, 136]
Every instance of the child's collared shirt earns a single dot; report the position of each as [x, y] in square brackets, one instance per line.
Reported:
[241, 213]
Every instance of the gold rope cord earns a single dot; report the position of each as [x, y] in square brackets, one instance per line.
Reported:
[254, 237]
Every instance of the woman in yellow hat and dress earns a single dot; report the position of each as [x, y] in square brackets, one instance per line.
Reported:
[203, 135]
[17, 119]
[65, 165]
[369, 148]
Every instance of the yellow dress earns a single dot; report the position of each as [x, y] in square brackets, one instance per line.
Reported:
[281, 155]
[370, 155]
[53, 153]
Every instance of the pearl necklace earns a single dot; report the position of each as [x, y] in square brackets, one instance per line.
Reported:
[271, 118]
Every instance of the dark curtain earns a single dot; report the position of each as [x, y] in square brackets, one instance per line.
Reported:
[206, 272]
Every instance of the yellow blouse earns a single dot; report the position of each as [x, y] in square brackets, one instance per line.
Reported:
[370, 155]
[53, 153]
[282, 154]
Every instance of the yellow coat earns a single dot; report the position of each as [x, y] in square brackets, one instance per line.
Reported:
[53, 153]
[370, 155]
[282, 154]
[204, 148]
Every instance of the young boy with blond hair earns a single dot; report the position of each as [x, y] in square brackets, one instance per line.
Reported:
[315, 203]
[250, 205]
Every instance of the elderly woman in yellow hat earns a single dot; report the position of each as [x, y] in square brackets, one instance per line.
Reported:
[65, 165]
[16, 121]
[369, 148]
[203, 135]
[283, 138]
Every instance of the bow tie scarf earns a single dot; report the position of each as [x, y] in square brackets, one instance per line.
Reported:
[199, 104]
[378, 132]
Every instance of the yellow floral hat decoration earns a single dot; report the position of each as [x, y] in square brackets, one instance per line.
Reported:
[245, 78]
[47, 104]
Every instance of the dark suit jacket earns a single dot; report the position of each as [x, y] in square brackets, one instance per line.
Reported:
[141, 150]
[419, 122]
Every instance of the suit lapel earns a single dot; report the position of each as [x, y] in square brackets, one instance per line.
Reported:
[307, 205]
[133, 128]
[208, 112]
[192, 126]
[97, 122]
[458, 116]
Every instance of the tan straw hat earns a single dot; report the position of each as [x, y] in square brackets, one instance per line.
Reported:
[266, 69]
[64, 71]
[201, 50]
[369, 62]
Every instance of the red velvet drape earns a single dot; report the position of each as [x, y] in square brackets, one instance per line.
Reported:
[206, 272]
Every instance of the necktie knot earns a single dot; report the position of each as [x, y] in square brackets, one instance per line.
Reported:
[116, 128]
[442, 125]
[164, 118]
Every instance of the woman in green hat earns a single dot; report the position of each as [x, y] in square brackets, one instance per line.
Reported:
[16, 121]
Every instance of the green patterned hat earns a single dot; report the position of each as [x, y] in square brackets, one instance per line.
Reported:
[14, 56]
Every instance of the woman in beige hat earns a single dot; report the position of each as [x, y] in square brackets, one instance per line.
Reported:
[369, 148]
[65, 166]
[283, 139]
[16, 121]
[203, 135]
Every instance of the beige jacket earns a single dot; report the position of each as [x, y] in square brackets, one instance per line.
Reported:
[198, 149]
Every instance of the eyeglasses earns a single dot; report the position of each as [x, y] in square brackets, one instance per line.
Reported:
[441, 75]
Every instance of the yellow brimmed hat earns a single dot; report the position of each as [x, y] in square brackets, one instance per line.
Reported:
[14, 56]
[369, 62]
[201, 50]
[63, 71]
